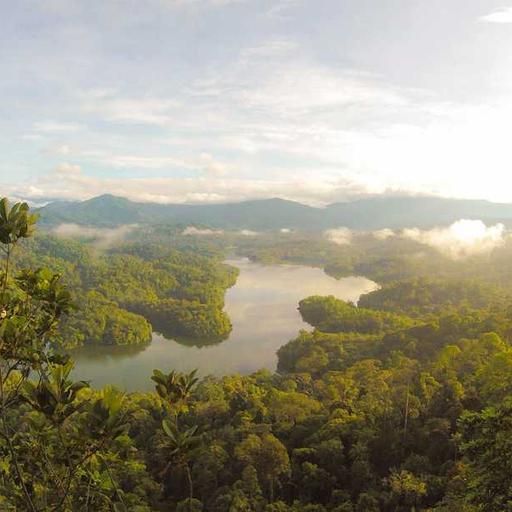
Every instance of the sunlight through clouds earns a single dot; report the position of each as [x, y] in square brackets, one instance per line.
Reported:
[462, 239]
[240, 111]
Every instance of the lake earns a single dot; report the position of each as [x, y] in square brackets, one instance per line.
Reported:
[262, 307]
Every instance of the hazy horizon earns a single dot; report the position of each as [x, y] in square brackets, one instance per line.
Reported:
[40, 202]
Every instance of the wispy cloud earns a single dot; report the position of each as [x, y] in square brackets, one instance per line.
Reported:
[244, 102]
[332, 128]
[73, 7]
[205, 163]
[56, 126]
[60, 149]
[142, 162]
[113, 107]
[499, 16]
[274, 48]
[280, 9]
[102, 238]
[214, 3]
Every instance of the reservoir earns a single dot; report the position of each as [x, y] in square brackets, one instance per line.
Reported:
[262, 307]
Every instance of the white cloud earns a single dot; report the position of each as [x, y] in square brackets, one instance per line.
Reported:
[274, 48]
[280, 9]
[463, 238]
[204, 3]
[65, 171]
[329, 127]
[61, 149]
[383, 234]
[142, 162]
[76, 7]
[319, 130]
[339, 236]
[103, 238]
[55, 126]
[193, 231]
[299, 89]
[368, 131]
[68, 181]
[364, 129]
[288, 103]
[499, 16]
[211, 167]
[205, 163]
[273, 112]
[32, 136]
[111, 106]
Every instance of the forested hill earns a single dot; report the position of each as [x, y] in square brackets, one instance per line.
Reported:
[370, 213]
[111, 210]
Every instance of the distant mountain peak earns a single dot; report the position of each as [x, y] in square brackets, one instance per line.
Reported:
[277, 213]
[108, 198]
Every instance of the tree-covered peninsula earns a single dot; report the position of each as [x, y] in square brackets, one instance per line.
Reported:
[374, 410]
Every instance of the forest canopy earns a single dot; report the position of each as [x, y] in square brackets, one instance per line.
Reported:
[373, 410]
[127, 293]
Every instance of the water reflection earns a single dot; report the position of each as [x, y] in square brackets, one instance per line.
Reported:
[193, 342]
[263, 310]
[96, 353]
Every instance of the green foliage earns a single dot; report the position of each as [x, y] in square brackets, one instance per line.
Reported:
[422, 296]
[487, 444]
[403, 404]
[55, 397]
[16, 222]
[329, 314]
[189, 319]
[123, 296]
[175, 388]
[101, 321]
[189, 505]
[56, 444]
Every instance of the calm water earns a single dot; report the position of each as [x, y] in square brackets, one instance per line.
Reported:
[263, 310]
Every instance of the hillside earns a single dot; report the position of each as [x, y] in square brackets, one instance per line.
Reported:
[268, 214]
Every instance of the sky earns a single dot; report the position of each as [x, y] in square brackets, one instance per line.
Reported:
[225, 100]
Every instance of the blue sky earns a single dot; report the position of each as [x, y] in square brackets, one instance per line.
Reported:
[223, 100]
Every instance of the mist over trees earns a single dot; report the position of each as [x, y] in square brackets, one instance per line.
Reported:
[400, 404]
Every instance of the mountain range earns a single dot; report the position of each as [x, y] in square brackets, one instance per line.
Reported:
[269, 214]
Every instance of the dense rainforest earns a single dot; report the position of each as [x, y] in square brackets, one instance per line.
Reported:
[402, 403]
[127, 293]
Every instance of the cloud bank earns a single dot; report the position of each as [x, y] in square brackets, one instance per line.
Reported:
[383, 234]
[68, 181]
[462, 239]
